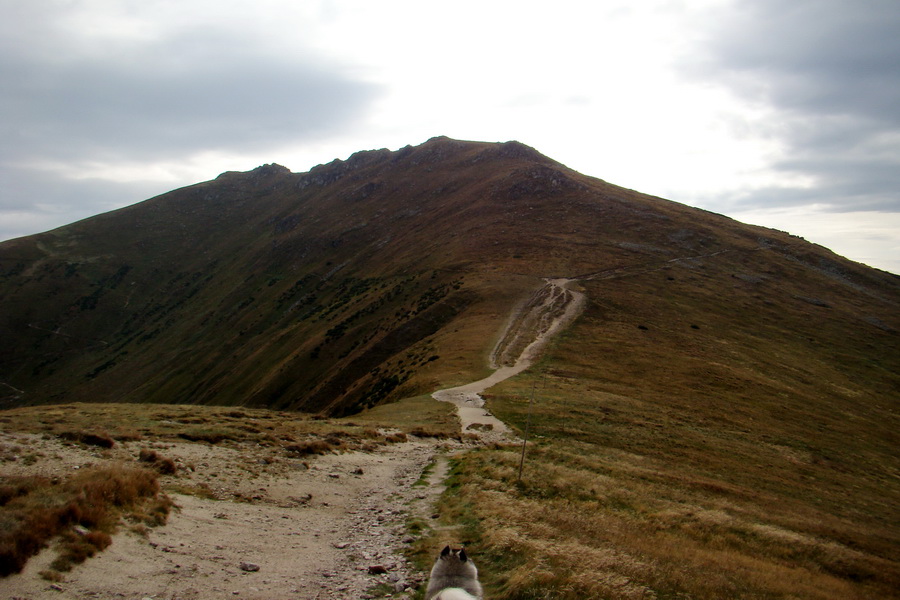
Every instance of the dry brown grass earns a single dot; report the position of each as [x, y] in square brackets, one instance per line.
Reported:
[429, 432]
[82, 511]
[757, 461]
[221, 425]
[165, 466]
[309, 448]
[89, 438]
[569, 532]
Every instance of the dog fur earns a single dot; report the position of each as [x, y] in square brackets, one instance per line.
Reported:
[454, 594]
[453, 577]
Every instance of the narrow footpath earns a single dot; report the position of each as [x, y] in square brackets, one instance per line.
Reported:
[549, 310]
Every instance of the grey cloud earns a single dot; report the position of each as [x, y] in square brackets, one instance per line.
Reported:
[172, 99]
[32, 201]
[842, 184]
[828, 55]
[51, 190]
[829, 68]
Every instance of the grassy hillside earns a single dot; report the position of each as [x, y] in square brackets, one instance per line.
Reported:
[264, 288]
[366, 280]
[757, 460]
[378, 277]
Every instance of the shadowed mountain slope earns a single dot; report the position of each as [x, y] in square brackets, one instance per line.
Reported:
[392, 273]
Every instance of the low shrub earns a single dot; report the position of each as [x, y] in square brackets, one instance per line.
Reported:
[212, 437]
[165, 466]
[15, 487]
[77, 547]
[83, 510]
[308, 448]
[101, 440]
[428, 433]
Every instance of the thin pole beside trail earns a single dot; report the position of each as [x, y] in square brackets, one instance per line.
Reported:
[527, 430]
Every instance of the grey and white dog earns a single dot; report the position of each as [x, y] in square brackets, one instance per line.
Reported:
[453, 577]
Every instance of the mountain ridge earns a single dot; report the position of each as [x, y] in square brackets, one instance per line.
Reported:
[330, 290]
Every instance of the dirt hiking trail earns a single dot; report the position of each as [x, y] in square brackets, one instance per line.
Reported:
[531, 326]
[328, 527]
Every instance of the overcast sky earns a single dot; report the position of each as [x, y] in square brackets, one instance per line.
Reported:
[778, 113]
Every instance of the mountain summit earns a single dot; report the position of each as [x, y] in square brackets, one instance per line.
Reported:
[391, 274]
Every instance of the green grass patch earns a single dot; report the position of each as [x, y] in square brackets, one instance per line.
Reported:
[421, 416]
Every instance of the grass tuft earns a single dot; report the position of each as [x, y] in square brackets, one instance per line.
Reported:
[309, 448]
[165, 466]
[428, 432]
[82, 511]
[101, 440]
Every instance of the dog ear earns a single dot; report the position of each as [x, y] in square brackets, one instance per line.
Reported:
[462, 555]
[445, 551]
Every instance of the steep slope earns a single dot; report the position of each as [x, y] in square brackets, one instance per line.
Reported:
[392, 273]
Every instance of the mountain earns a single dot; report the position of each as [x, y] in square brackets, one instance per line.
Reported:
[719, 421]
[391, 274]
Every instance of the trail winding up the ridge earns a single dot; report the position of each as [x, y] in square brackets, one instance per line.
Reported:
[531, 326]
